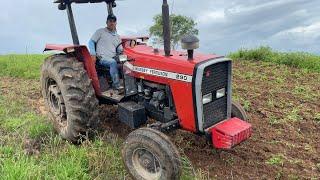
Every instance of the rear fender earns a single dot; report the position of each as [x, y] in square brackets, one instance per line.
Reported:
[82, 54]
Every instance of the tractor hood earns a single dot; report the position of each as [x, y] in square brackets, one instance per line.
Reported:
[145, 56]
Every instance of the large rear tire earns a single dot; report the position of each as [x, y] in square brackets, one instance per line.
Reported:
[69, 97]
[149, 154]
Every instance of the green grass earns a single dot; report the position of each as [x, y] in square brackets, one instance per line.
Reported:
[23, 66]
[274, 121]
[100, 158]
[294, 59]
[58, 159]
[40, 129]
[16, 116]
[293, 115]
[276, 160]
[317, 117]
[68, 162]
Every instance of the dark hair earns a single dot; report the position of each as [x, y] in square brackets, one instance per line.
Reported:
[111, 17]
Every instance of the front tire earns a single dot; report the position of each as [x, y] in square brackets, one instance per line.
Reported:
[69, 97]
[238, 111]
[149, 154]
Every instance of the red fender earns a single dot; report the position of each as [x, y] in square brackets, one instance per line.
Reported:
[82, 54]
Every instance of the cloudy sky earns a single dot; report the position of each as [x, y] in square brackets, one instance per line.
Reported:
[224, 25]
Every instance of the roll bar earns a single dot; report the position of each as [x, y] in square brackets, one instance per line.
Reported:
[66, 4]
[83, 1]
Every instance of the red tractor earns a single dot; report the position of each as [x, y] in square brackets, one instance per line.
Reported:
[164, 90]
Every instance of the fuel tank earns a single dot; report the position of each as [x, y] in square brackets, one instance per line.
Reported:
[178, 62]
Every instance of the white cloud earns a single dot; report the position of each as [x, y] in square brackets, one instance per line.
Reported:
[302, 37]
[224, 25]
[309, 30]
[211, 16]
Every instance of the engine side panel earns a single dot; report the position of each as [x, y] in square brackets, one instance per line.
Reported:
[182, 95]
[175, 71]
[181, 88]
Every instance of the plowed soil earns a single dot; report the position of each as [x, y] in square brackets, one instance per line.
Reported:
[283, 105]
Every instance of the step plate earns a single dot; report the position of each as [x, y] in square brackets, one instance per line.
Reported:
[229, 133]
[112, 95]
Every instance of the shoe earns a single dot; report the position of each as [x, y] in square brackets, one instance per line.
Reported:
[119, 89]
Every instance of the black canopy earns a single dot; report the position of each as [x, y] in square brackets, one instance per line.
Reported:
[83, 1]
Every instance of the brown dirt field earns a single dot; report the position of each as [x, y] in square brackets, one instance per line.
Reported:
[283, 106]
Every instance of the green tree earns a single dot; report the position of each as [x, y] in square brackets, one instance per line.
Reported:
[180, 25]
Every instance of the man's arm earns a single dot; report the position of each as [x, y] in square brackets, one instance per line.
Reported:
[92, 47]
[93, 41]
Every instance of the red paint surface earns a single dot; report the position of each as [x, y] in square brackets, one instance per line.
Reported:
[90, 66]
[229, 133]
[124, 38]
[60, 47]
[144, 56]
[178, 62]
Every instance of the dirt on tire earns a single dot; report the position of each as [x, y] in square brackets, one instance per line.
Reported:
[69, 96]
[163, 151]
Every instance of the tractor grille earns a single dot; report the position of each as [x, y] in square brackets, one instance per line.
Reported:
[215, 77]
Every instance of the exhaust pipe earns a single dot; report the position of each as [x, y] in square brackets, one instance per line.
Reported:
[166, 28]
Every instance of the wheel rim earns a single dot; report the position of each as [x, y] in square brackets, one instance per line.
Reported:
[54, 100]
[56, 104]
[146, 164]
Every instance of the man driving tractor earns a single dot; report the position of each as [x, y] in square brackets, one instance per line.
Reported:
[103, 45]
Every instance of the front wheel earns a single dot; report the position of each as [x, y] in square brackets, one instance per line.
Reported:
[149, 154]
[238, 111]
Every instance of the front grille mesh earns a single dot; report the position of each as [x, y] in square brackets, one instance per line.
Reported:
[215, 77]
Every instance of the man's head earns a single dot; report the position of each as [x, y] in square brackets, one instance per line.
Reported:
[112, 22]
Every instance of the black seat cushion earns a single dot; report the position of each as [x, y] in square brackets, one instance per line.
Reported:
[102, 70]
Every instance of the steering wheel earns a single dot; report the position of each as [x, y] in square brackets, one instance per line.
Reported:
[132, 44]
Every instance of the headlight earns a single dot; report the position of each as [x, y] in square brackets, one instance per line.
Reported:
[221, 93]
[207, 98]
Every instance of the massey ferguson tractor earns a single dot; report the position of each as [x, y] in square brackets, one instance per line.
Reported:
[164, 90]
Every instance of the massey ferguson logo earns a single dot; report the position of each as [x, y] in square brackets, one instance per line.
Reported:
[165, 74]
[151, 71]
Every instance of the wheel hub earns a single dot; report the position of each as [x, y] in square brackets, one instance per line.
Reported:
[56, 103]
[146, 163]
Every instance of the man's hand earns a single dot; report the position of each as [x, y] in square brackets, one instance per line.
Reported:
[94, 58]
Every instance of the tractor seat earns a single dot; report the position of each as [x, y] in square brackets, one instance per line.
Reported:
[104, 71]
